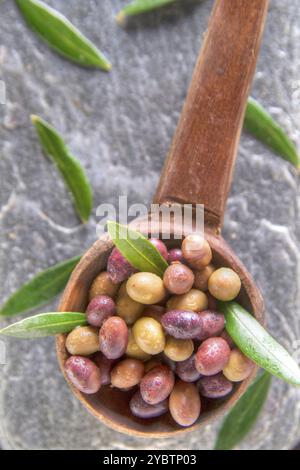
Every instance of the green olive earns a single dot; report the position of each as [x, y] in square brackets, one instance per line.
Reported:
[224, 284]
[239, 367]
[127, 308]
[146, 288]
[194, 300]
[178, 349]
[103, 284]
[134, 351]
[149, 335]
[83, 341]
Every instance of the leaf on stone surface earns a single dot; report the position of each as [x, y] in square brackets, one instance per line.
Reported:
[40, 289]
[61, 35]
[136, 7]
[70, 168]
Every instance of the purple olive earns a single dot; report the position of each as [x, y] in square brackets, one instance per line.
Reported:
[99, 309]
[160, 246]
[141, 409]
[215, 386]
[182, 324]
[186, 370]
[157, 384]
[118, 268]
[175, 255]
[113, 337]
[212, 322]
[83, 374]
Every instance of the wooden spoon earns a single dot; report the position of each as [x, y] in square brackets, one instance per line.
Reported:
[198, 170]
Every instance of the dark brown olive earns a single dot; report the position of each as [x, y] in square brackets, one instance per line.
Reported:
[157, 384]
[113, 337]
[212, 303]
[175, 255]
[160, 246]
[202, 277]
[212, 324]
[178, 278]
[127, 373]
[118, 267]
[99, 309]
[83, 374]
[182, 324]
[141, 409]
[186, 370]
[215, 386]
[184, 403]
[105, 365]
[212, 356]
[154, 311]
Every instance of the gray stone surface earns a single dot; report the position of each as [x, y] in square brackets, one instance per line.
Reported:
[120, 126]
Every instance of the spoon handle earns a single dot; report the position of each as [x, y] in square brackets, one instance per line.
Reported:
[198, 169]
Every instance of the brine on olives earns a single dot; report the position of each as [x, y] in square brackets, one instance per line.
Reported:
[149, 335]
[178, 278]
[224, 284]
[182, 324]
[83, 374]
[184, 403]
[127, 373]
[103, 285]
[99, 309]
[113, 337]
[146, 288]
[212, 356]
[157, 384]
[142, 409]
[83, 341]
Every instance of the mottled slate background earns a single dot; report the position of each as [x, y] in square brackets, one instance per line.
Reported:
[120, 126]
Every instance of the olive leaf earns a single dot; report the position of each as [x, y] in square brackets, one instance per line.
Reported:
[45, 324]
[61, 35]
[263, 127]
[40, 289]
[70, 168]
[140, 6]
[137, 249]
[257, 344]
[244, 414]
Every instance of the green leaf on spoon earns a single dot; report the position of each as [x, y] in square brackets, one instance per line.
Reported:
[40, 289]
[70, 168]
[259, 122]
[244, 414]
[45, 324]
[137, 249]
[60, 34]
[257, 344]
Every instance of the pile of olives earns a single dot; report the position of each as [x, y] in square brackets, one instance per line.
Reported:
[161, 338]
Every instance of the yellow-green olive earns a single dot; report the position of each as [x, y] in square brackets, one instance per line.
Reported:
[127, 308]
[202, 276]
[134, 351]
[239, 367]
[83, 341]
[146, 288]
[149, 335]
[103, 284]
[224, 284]
[194, 300]
[196, 251]
[178, 349]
